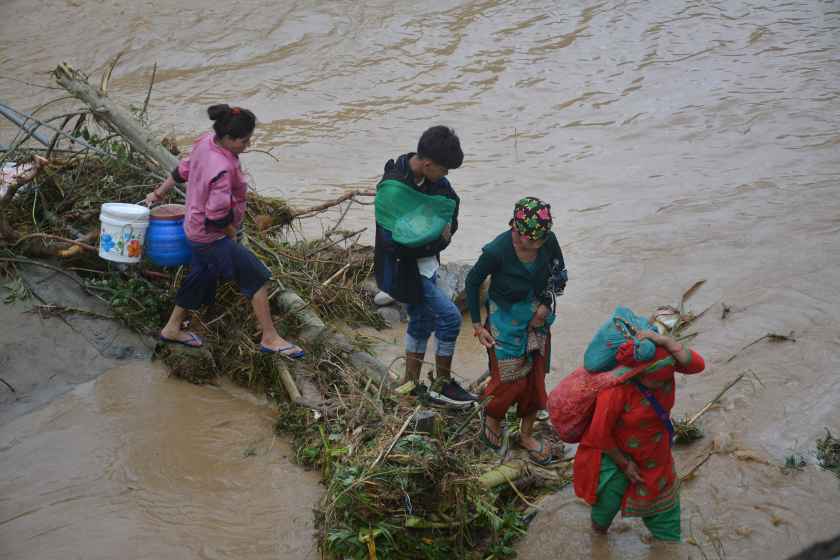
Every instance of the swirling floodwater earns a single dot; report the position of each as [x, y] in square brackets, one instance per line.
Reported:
[676, 141]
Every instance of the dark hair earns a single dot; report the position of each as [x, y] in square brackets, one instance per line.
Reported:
[441, 145]
[235, 122]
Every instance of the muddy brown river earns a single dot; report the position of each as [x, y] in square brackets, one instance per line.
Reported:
[676, 141]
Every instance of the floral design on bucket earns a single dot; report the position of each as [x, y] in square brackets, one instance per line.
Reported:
[106, 241]
[128, 244]
[134, 248]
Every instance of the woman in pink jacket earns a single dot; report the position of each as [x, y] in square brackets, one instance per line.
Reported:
[216, 190]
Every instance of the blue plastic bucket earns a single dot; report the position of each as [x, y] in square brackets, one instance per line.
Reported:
[166, 242]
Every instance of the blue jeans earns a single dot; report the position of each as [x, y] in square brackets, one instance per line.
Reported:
[435, 314]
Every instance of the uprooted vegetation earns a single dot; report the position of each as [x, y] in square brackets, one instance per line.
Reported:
[403, 480]
[828, 452]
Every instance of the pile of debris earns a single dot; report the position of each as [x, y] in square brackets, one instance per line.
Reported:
[403, 479]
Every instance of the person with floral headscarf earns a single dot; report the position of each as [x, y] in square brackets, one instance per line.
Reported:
[527, 271]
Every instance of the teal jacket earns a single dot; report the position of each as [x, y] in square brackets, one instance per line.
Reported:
[510, 281]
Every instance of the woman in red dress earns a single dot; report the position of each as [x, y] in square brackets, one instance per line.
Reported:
[624, 458]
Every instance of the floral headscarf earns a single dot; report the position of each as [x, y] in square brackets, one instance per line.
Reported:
[532, 217]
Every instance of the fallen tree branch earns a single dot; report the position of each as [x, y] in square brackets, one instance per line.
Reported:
[712, 402]
[330, 203]
[81, 244]
[52, 309]
[149, 91]
[500, 474]
[118, 118]
[518, 493]
[772, 337]
[338, 273]
[693, 470]
[334, 243]
[306, 212]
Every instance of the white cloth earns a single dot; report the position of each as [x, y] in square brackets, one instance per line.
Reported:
[428, 266]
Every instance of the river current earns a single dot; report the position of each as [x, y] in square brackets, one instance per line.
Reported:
[676, 141]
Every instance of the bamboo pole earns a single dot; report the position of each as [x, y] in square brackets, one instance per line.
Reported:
[505, 472]
[291, 386]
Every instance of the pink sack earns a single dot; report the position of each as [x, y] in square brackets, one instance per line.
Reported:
[571, 403]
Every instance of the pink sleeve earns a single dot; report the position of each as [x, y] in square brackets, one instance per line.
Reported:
[608, 407]
[184, 169]
[696, 365]
[219, 200]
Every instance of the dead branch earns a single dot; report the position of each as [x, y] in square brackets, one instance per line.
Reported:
[149, 91]
[712, 402]
[81, 244]
[51, 309]
[693, 470]
[334, 243]
[314, 210]
[772, 337]
[330, 203]
[117, 117]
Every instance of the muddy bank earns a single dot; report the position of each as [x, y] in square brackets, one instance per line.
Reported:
[102, 452]
[694, 140]
[44, 355]
[140, 465]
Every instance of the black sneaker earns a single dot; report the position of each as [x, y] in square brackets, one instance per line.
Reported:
[448, 392]
[419, 390]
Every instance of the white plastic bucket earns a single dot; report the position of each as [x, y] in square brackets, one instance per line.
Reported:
[123, 230]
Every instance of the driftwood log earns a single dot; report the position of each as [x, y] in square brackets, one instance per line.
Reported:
[314, 331]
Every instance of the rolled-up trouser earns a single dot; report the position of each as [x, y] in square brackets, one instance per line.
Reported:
[664, 526]
[436, 313]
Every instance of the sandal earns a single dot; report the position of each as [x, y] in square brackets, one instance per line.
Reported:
[486, 440]
[539, 456]
[193, 340]
[292, 351]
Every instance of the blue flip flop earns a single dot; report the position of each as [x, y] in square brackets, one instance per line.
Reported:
[194, 341]
[285, 351]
